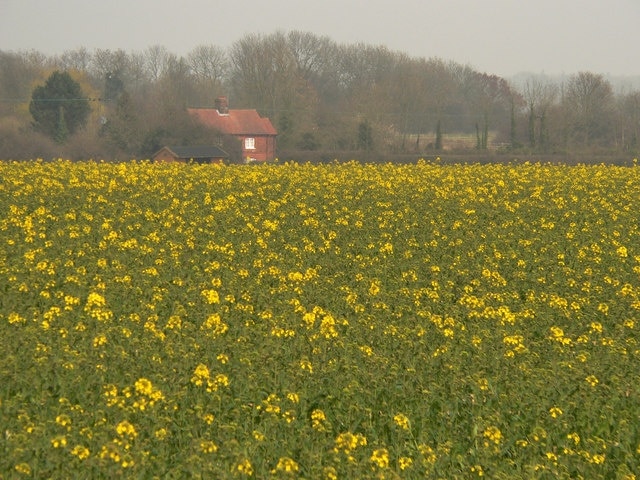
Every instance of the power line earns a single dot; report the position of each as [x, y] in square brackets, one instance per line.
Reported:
[24, 100]
[386, 114]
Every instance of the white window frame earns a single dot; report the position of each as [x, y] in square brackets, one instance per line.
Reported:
[249, 143]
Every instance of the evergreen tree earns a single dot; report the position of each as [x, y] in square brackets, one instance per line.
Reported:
[59, 107]
[365, 136]
[123, 127]
[62, 132]
[438, 144]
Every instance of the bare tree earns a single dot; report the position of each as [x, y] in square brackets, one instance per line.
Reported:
[264, 76]
[138, 76]
[17, 74]
[79, 59]
[209, 68]
[490, 98]
[37, 60]
[539, 95]
[589, 103]
[176, 86]
[406, 100]
[312, 54]
[156, 61]
[107, 61]
[262, 71]
[629, 121]
[208, 63]
[438, 92]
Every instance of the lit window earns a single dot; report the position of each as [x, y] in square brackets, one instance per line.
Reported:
[249, 143]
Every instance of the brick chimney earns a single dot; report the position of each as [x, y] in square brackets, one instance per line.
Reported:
[222, 105]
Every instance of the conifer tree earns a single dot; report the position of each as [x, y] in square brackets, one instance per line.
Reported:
[59, 107]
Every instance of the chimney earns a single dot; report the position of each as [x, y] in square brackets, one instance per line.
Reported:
[222, 105]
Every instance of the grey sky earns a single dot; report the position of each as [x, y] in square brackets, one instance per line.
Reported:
[502, 37]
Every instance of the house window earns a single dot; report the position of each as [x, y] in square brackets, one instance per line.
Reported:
[249, 143]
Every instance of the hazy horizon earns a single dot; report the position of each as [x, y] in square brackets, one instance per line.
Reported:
[502, 37]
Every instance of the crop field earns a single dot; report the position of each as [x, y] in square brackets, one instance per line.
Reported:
[332, 321]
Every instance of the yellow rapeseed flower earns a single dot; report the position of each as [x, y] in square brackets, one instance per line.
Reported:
[574, 437]
[211, 296]
[23, 468]
[207, 446]
[144, 386]
[63, 420]
[220, 380]
[592, 380]
[124, 428]
[306, 365]
[59, 441]
[401, 420]
[286, 465]
[208, 418]
[330, 473]
[244, 467]
[200, 375]
[81, 452]
[317, 420]
[492, 435]
[214, 326]
[405, 462]
[380, 457]
[222, 358]
[555, 412]
[347, 442]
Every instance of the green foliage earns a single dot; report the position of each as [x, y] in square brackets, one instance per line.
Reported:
[113, 87]
[123, 126]
[59, 107]
[62, 132]
[156, 139]
[285, 127]
[365, 136]
[308, 142]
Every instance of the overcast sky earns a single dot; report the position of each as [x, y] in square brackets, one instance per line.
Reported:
[502, 37]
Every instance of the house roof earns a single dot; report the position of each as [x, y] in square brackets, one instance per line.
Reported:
[236, 122]
[196, 151]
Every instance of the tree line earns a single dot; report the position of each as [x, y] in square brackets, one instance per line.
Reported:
[321, 96]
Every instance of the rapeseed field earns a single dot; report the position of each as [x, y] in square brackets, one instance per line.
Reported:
[319, 321]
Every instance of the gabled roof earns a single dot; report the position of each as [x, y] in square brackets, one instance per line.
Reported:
[197, 151]
[236, 122]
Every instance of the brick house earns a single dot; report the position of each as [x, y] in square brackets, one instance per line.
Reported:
[257, 134]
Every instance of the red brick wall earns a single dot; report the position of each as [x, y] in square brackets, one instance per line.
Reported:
[164, 156]
[265, 148]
